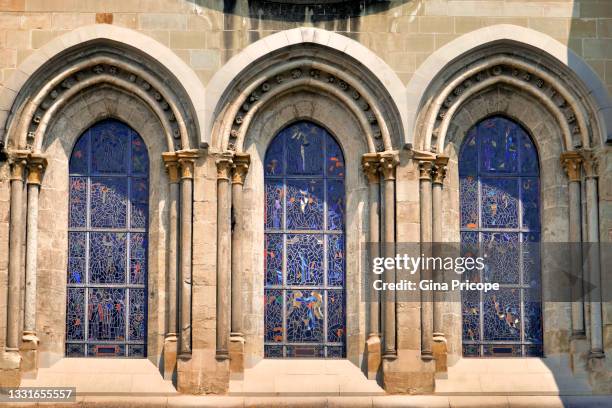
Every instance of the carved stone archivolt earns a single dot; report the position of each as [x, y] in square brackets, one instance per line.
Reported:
[526, 76]
[43, 97]
[312, 71]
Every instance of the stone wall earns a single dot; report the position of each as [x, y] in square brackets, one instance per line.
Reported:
[207, 33]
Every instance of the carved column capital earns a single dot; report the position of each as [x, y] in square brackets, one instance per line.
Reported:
[589, 163]
[240, 166]
[370, 165]
[439, 169]
[571, 162]
[36, 168]
[388, 161]
[18, 160]
[224, 165]
[172, 166]
[186, 159]
[425, 162]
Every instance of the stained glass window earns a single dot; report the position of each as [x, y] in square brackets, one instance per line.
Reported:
[107, 243]
[304, 244]
[500, 203]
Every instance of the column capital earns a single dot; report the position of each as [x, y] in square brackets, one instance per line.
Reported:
[439, 169]
[224, 165]
[589, 163]
[571, 162]
[36, 167]
[388, 161]
[371, 166]
[186, 159]
[18, 159]
[425, 161]
[240, 167]
[172, 166]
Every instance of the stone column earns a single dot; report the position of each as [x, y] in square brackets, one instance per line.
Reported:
[373, 344]
[186, 160]
[439, 346]
[590, 169]
[10, 375]
[426, 164]
[236, 345]
[29, 344]
[224, 166]
[571, 162]
[171, 339]
[388, 162]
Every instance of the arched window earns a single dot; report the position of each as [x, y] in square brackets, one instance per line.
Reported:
[107, 243]
[500, 212]
[304, 244]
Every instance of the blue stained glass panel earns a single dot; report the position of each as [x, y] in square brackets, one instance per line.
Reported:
[335, 260]
[500, 216]
[106, 314]
[334, 159]
[274, 259]
[139, 200]
[108, 202]
[79, 160]
[75, 318]
[109, 147]
[304, 316]
[107, 257]
[78, 202]
[335, 316]
[304, 152]
[304, 223]
[468, 189]
[274, 204]
[273, 311]
[304, 259]
[498, 146]
[140, 159]
[107, 243]
[502, 315]
[137, 323]
[499, 203]
[335, 205]
[530, 198]
[305, 204]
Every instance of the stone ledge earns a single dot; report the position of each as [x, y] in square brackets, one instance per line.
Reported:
[397, 401]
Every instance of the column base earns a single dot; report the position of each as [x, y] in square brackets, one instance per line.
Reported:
[596, 354]
[236, 355]
[29, 354]
[440, 352]
[373, 348]
[427, 355]
[10, 373]
[170, 356]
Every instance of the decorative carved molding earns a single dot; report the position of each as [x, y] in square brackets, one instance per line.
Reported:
[307, 73]
[388, 162]
[94, 66]
[36, 168]
[520, 73]
[240, 167]
[590, 163]
[571, 162]
[440, 169]
[425, 161]
[172, 166]
[18, 160]
[371, 166]
[224, 165]
[186, 160]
